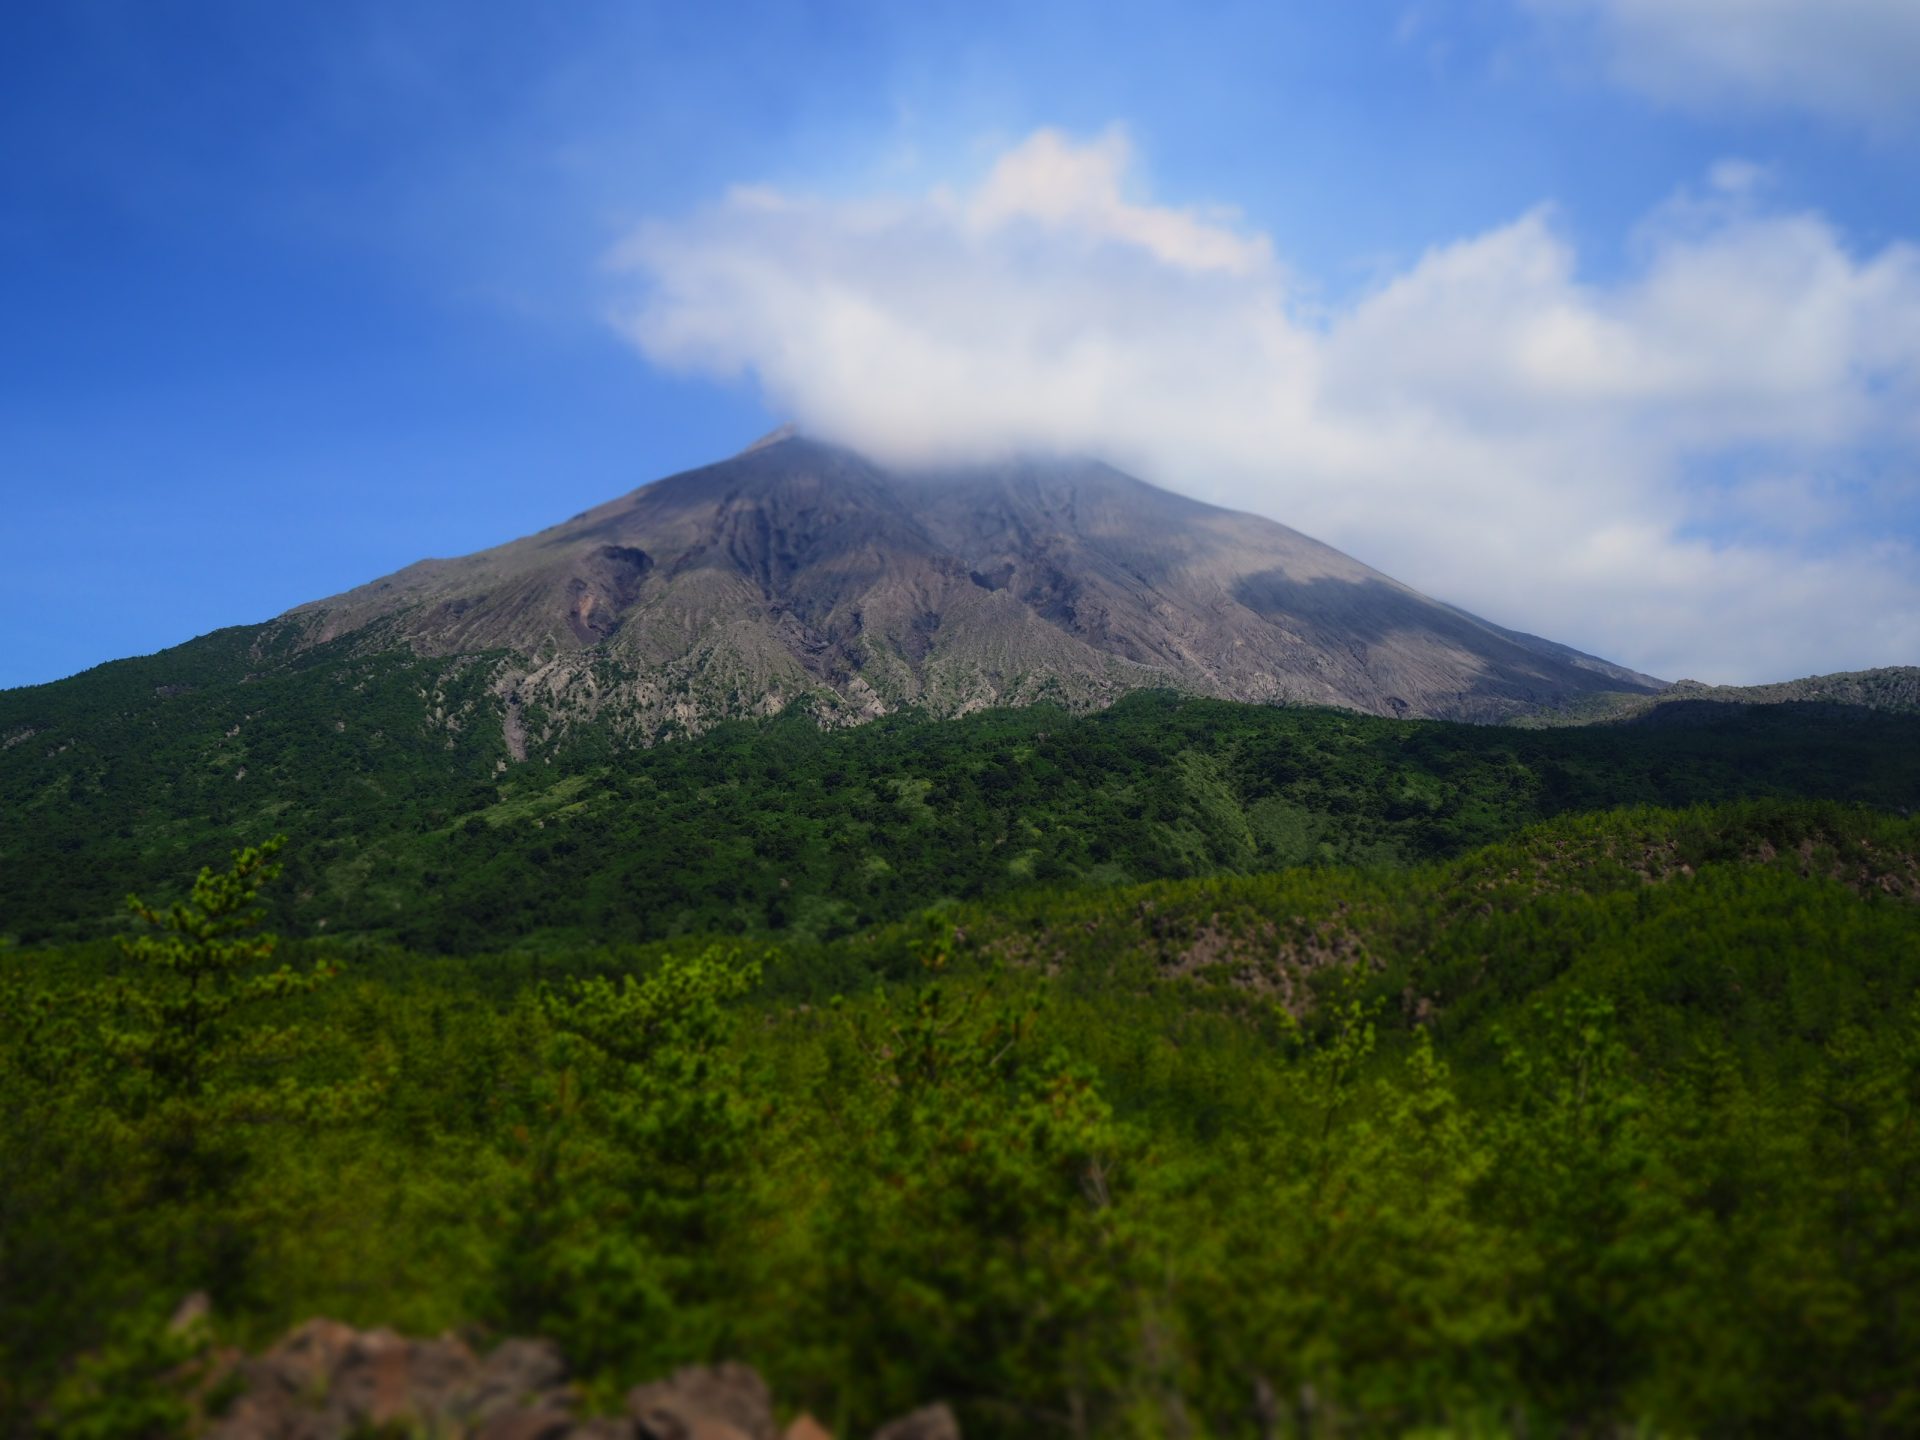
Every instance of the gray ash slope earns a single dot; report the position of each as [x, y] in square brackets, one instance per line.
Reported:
[801, 571]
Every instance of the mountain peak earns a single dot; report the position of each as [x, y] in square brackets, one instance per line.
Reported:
[794, 571]
[788, 431]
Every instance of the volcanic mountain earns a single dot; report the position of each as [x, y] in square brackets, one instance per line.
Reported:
[800, 571]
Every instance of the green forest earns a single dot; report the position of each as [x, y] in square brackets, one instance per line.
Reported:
[1186, 1069]
[1607, 1127]
[413, 826]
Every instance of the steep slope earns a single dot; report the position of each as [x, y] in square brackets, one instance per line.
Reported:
[797, 569]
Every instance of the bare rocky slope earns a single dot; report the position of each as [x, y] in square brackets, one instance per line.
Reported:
[801, 571]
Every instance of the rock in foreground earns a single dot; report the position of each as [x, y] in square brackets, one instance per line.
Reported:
[328, 1381]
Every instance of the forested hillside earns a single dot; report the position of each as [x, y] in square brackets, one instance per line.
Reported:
[1609, 1127]
[423, 832]
[1186, 1068]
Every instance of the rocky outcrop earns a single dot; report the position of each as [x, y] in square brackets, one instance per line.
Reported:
[704, 1402]
[328, 1381]
[934, 1422]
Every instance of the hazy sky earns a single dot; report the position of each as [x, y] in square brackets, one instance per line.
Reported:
[1598, 317]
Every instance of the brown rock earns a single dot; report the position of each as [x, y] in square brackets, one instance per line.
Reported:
[384, 1379]
[528, 1425]
[371, 1382]
[326, 1381]
[704, 1402]
[530, 1364]
[282, 1391]
[440, 1370]
[931, 1422]
[307, 1358]
[518, 1374]
[603, 1427]
[255, 1415]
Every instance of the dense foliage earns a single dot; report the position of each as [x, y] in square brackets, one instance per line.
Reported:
[414, 827]
[1613, 1123]
[1186, 1069]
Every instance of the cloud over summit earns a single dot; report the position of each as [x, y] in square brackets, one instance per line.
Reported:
[1680, 468]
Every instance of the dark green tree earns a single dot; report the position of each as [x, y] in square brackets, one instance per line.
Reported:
[974, 1236]
[630, 1165]
[194, 973]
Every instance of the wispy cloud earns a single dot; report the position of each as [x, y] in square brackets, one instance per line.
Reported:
[1683, 469]
[1853, 59]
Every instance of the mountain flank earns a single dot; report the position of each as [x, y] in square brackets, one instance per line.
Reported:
[1891, 688]
[800, 572]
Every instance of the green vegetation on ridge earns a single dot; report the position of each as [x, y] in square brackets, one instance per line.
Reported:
[411, 825]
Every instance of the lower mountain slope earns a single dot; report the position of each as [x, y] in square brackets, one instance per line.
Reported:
[421, 831]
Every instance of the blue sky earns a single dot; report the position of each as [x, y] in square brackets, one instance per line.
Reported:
[1601, 317]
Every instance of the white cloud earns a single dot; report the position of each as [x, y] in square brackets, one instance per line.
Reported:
[1855, 59]
[1077, 190]
[1682, 470]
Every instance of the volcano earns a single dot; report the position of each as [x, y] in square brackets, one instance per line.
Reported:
[801, 571]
